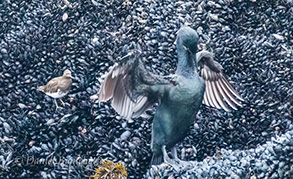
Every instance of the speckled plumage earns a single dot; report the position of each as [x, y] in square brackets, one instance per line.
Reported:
[58, 87]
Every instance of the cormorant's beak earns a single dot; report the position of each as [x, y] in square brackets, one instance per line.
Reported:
[198, 56]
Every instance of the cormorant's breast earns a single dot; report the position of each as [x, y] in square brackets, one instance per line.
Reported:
[187, 92]
[177, 110]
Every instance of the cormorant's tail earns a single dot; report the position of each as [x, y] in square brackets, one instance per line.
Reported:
[157, 159]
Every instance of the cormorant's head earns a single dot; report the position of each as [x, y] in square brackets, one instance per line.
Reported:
[203, 56]
[187, 39]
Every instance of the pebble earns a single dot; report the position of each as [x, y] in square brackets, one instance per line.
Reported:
[65, 17]
[22, 105]
[247, 164]
[125, 135]
[279, 37]
[7, 127]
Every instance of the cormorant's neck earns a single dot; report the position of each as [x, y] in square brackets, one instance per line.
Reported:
[186, 63]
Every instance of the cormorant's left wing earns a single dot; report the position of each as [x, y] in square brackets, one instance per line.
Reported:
[218, 91]
[132, 88]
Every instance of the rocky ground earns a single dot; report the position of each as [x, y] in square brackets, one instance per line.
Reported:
[270, 160]
[39, 39]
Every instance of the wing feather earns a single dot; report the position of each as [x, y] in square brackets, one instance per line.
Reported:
[209, 91]
[218, 91]
[229, 94]
[140, 102]
[231, 89]
[224, 92]
[144, 107]
[214, 95]
[131, 87]
[205, 99]
[212, 90]
[219, 96]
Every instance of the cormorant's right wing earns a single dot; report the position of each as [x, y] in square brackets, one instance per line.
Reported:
[132, 88]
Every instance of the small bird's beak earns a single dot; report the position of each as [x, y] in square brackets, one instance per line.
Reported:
[185, 48]
[73, 77]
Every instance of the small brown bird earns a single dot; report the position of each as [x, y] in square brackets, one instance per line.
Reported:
[58, 87]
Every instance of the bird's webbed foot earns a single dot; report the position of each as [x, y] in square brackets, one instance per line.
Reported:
[175, 162]
[180, 163]
[184, 164]
[167, 160]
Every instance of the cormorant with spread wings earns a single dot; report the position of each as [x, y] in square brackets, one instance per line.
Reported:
[198, 80]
